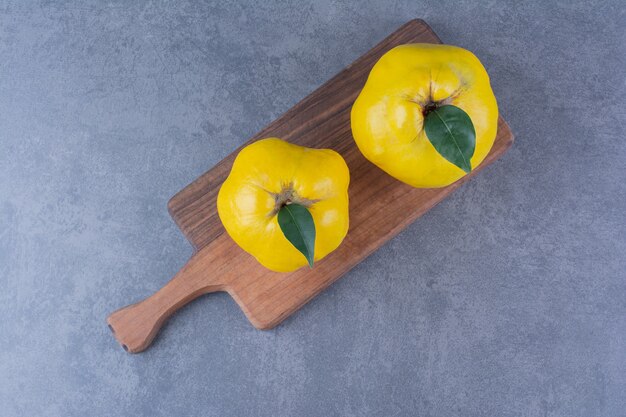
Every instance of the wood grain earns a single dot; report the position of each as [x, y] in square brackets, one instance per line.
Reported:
[380, 207]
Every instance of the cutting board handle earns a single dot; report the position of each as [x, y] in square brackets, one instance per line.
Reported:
[136, 325]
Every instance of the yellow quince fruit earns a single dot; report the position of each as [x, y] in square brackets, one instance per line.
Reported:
[286, 205]
[426, 115]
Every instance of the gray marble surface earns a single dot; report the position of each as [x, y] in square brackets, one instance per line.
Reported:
[508, 299]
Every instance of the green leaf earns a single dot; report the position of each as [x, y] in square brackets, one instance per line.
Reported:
[298, 227]
[452, 133]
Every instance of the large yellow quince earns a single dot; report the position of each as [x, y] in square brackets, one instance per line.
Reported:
[270, 176]
[404, 87]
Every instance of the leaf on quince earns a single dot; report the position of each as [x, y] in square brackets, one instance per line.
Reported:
[452, 133]
[297, 225]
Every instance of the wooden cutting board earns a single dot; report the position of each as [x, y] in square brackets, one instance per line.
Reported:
[380, 207]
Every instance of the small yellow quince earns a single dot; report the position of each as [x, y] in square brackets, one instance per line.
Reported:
[285, 204]
[411, 118]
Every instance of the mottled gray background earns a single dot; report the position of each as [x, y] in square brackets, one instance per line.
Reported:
[508, 299]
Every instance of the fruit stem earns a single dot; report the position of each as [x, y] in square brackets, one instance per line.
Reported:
[288, 196]
[429, 107]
